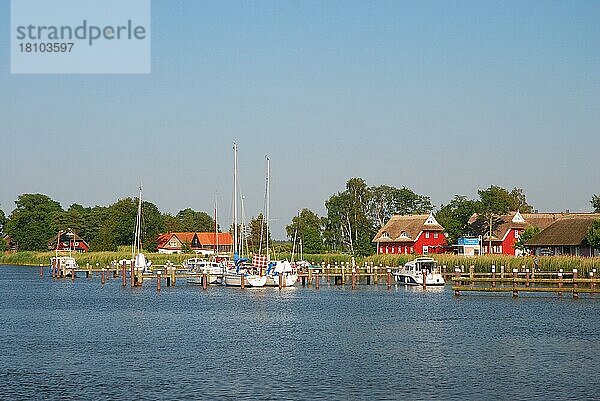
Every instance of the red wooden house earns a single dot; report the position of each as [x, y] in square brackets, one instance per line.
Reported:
[507, 229]
[420, 234]
[68, 241]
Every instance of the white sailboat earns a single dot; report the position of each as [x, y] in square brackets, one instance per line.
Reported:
[239, 273]
[277, 270]
[138, 257]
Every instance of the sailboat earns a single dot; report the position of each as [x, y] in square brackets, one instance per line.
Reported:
[281, 269]
[239, 273]
[138, 257]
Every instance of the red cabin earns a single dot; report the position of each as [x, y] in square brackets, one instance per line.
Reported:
[420, 234]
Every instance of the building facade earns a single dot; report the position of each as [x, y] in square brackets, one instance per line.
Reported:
[199, 242]
[418, 234]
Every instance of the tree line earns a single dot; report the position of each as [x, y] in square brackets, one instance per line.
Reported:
[354, 216]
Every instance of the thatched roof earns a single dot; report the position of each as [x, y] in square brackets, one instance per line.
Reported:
[406, 228]
[541, 220]
[566, 231]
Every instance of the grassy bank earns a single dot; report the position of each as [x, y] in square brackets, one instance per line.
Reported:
[481, 263]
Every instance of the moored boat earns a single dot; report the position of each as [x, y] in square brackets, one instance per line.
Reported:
[412, 273]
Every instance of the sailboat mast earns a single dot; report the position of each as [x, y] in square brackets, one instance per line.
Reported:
[235, 221]
[138, 226]
[267, 206]
[216, 229]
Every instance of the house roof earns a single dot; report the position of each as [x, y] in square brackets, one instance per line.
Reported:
[66, 236]
[566, 231]
[211, 238]
[540, 220]
[406, 228]
[205, 238]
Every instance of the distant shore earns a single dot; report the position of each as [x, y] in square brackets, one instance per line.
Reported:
[481, 263]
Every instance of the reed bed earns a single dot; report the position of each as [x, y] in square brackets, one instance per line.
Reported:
[481, 263]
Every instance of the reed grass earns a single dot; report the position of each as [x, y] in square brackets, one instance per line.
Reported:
[481, 263]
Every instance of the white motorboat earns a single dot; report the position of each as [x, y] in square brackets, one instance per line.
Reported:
[66, 264]
[213, 270]
[412, 273]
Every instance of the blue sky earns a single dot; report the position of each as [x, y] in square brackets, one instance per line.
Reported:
[442, 97]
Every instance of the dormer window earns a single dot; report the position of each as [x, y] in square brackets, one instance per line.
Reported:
[385, 235]
[403, 234]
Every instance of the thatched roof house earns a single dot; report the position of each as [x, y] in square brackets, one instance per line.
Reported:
[566, 236]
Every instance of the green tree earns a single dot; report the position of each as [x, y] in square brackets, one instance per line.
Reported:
[31, 222]
[493, 203]
[454, 217]
[306, 227]
[593, 235]
[2, 221]
[348, 212]
[525, 236]
[3, 245]
[595, 203]
[192, 221]
[257, 234]
[386, 201]
[172, 223]
[119, 226]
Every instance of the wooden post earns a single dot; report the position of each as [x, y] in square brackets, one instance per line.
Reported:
[243, 277]
[317, 279]
[424, 272]
[368, 273]
[592, 284]
[515, 292]
[310, 275]
[73, 274]
[41, 271]
[280, 277]
[471, 272]
[560, 283]
[575, 293]
[501, 271]
[133, 274]
[124, 275]
[58, 272]
[353, 278]
[526, 277]
[102, 277]
[53, 267]
[327, 272]
[343, 273]
[457, 281]
[389, 278]
[158, 280]
[204, 281]
[493, 276]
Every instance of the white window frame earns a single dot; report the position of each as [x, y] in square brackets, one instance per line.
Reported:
[426, 234]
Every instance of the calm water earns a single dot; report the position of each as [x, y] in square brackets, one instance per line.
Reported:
[81, 341]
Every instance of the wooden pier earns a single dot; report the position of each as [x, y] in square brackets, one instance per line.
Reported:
[524, 281]
[464, 279]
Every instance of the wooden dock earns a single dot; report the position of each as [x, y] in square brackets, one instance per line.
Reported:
[524, 280]
[518, 281]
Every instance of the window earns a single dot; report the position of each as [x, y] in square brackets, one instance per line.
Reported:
[435, 235]
[403, 234]
[517, 234]
[426, 234]
[425, 250]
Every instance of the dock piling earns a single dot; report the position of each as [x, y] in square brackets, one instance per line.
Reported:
[575, 293]
[515, 292]
[158, 281]
[424, 273]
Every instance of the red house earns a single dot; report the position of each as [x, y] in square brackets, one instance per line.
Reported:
[507, 229]
[420, 234]
[204, 243]
[68, 241]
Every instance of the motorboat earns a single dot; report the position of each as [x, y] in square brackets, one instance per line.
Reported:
[412, 272]
[212, 269]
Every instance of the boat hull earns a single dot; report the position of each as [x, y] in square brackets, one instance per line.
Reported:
[250, 280]
[409, 279]
[289, 280]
